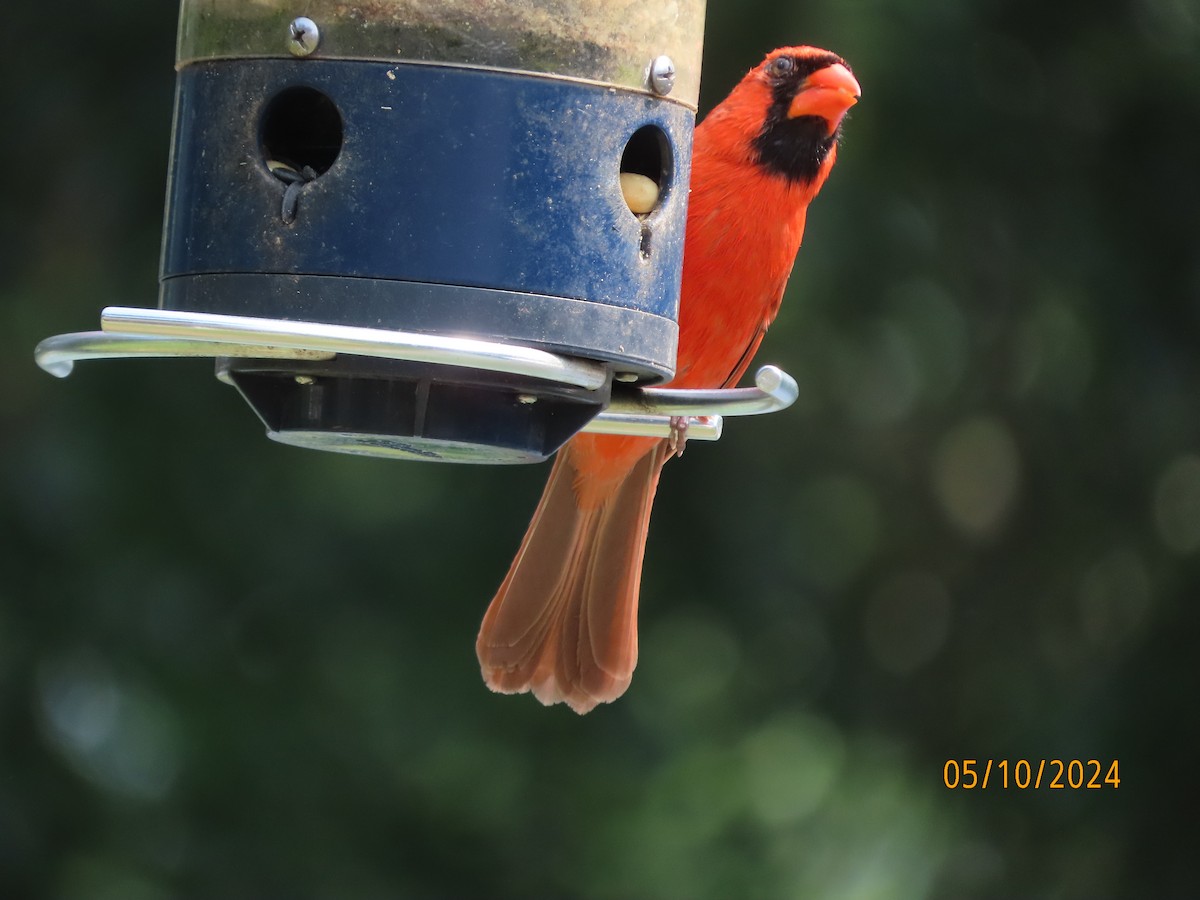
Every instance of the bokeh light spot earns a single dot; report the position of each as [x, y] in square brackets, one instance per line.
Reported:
[1054, 356]
[792, 764]
[1177, 504]
[115, 734]
[693, 661]
[976, 473]
[938, 331]
[1172, 25]
[879, 377]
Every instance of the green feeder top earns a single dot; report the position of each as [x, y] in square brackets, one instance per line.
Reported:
[617, 42]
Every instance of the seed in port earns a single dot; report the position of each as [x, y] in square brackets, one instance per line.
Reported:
[640, 192]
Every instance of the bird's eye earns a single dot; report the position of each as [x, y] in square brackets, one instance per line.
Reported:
[781, 66]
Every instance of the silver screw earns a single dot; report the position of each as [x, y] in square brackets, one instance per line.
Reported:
[304, 35]
[662, 75]
[626, 377]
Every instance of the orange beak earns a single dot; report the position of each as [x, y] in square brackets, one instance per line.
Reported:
[827, 93]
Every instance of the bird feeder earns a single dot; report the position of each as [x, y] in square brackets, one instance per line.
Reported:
[434, 230]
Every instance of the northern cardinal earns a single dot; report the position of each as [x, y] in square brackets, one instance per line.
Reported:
[564, 622]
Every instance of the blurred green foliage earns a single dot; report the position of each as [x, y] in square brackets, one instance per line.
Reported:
[230, 668]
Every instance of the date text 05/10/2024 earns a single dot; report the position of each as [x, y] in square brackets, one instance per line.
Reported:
[1024, 774]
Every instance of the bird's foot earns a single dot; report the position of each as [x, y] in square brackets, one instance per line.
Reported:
[678, 439]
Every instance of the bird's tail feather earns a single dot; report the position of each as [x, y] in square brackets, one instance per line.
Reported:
[564, 622]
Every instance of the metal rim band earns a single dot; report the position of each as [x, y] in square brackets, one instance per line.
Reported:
[648, 412]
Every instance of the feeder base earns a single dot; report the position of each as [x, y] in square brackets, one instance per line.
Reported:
[276, 364]
[411, 410]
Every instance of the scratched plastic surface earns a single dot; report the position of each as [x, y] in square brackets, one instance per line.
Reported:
[610, 41]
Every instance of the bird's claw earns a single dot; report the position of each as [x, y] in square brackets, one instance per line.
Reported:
[678, 439]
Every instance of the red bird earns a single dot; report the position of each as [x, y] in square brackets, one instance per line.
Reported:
[564, 622]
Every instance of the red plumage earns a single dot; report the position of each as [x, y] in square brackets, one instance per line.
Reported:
[564, 622]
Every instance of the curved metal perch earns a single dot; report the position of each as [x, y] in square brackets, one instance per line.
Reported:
[643, 412]
[648, 412]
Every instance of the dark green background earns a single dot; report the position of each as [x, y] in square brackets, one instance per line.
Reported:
[234, 669]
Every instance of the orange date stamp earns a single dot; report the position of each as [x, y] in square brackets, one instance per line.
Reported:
[1026, 774]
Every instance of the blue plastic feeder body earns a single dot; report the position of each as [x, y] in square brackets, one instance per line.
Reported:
[430, 198]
